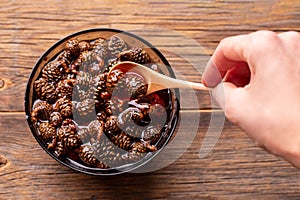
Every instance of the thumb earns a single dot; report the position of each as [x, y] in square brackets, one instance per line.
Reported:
[231, 99]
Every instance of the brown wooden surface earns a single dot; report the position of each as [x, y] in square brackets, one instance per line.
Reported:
[235, 169]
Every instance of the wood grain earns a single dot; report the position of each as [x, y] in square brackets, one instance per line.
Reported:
[187, 32]
[235, 167]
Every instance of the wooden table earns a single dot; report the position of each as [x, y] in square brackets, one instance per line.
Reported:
[235, 168]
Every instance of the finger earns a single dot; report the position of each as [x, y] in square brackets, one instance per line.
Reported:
[231, 99]
[291, 40]
[239, 76]
[229, 54]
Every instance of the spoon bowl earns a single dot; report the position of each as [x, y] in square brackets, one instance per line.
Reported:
[154, 80]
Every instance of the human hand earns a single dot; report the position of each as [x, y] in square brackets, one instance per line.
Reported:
[256, 81]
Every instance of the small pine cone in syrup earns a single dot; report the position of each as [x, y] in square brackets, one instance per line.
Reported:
[73, 47]
[83, 61]
[116, 105]
[84, 135]
[136, 86]
[87, 156]
[84, 86]
[111, 126]
[151, 134]
[95, 129]
[96, 68]
[107, 108]
[108, 153]
[54, 71]
[101, 84]
[112, 80]
[116, 45]
[137, 55]
[65, 88]
[84, 46]
[84, 80]
[47, 131]
[143, 147]
[130, 121]
[55, 119]
[41, 111]
[122, 140]
[157, 110]
[139, 147]
[60, 150]
[131, 115]
[101, 116]
[64, 106]
[45, 90]
[101, 94]
[66, 57]
[110, 64]
[67, 135]
[85, 107]
[100, 48]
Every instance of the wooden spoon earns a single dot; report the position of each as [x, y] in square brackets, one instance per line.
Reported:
[155, 80]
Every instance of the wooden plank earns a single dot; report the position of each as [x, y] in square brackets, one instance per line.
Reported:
[235, 168]
[26, 32]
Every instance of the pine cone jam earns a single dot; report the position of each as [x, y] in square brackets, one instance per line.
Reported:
[83, 116]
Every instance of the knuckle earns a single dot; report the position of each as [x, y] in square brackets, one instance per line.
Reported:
[264, 41]
[292, 35]
[267, 36]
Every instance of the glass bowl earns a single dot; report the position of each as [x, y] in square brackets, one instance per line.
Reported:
[171, 96]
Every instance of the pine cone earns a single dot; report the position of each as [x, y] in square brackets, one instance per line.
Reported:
[65, 88]
[132, 157]
[84, 46]
[45, 90]
[116, 106]
[122, 140]
[84, 135]
[64, 106]
[54, 71]
[87, 155]
[85, 107]
[101, 116]
[67, 135]
[60, 150]
[110, 64]
[108, 153]
[113, 79]
[41, 111]
[111, 126]
[66, 57]
[156, 110]
[137, 55]
[96, 68]
[47, 131]
[116, 45]
[130, 121]
[55, 119]
[100, 48]
[73, 47]
[139, 147]
[142, 147]
[136, 86]
[84, 86]
[95, 129]
[107, 108]
[100, 90]
[151, 134]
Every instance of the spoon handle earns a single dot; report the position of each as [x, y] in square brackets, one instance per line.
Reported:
[167, 82]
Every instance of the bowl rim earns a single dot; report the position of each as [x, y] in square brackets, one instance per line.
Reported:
[84, 169]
